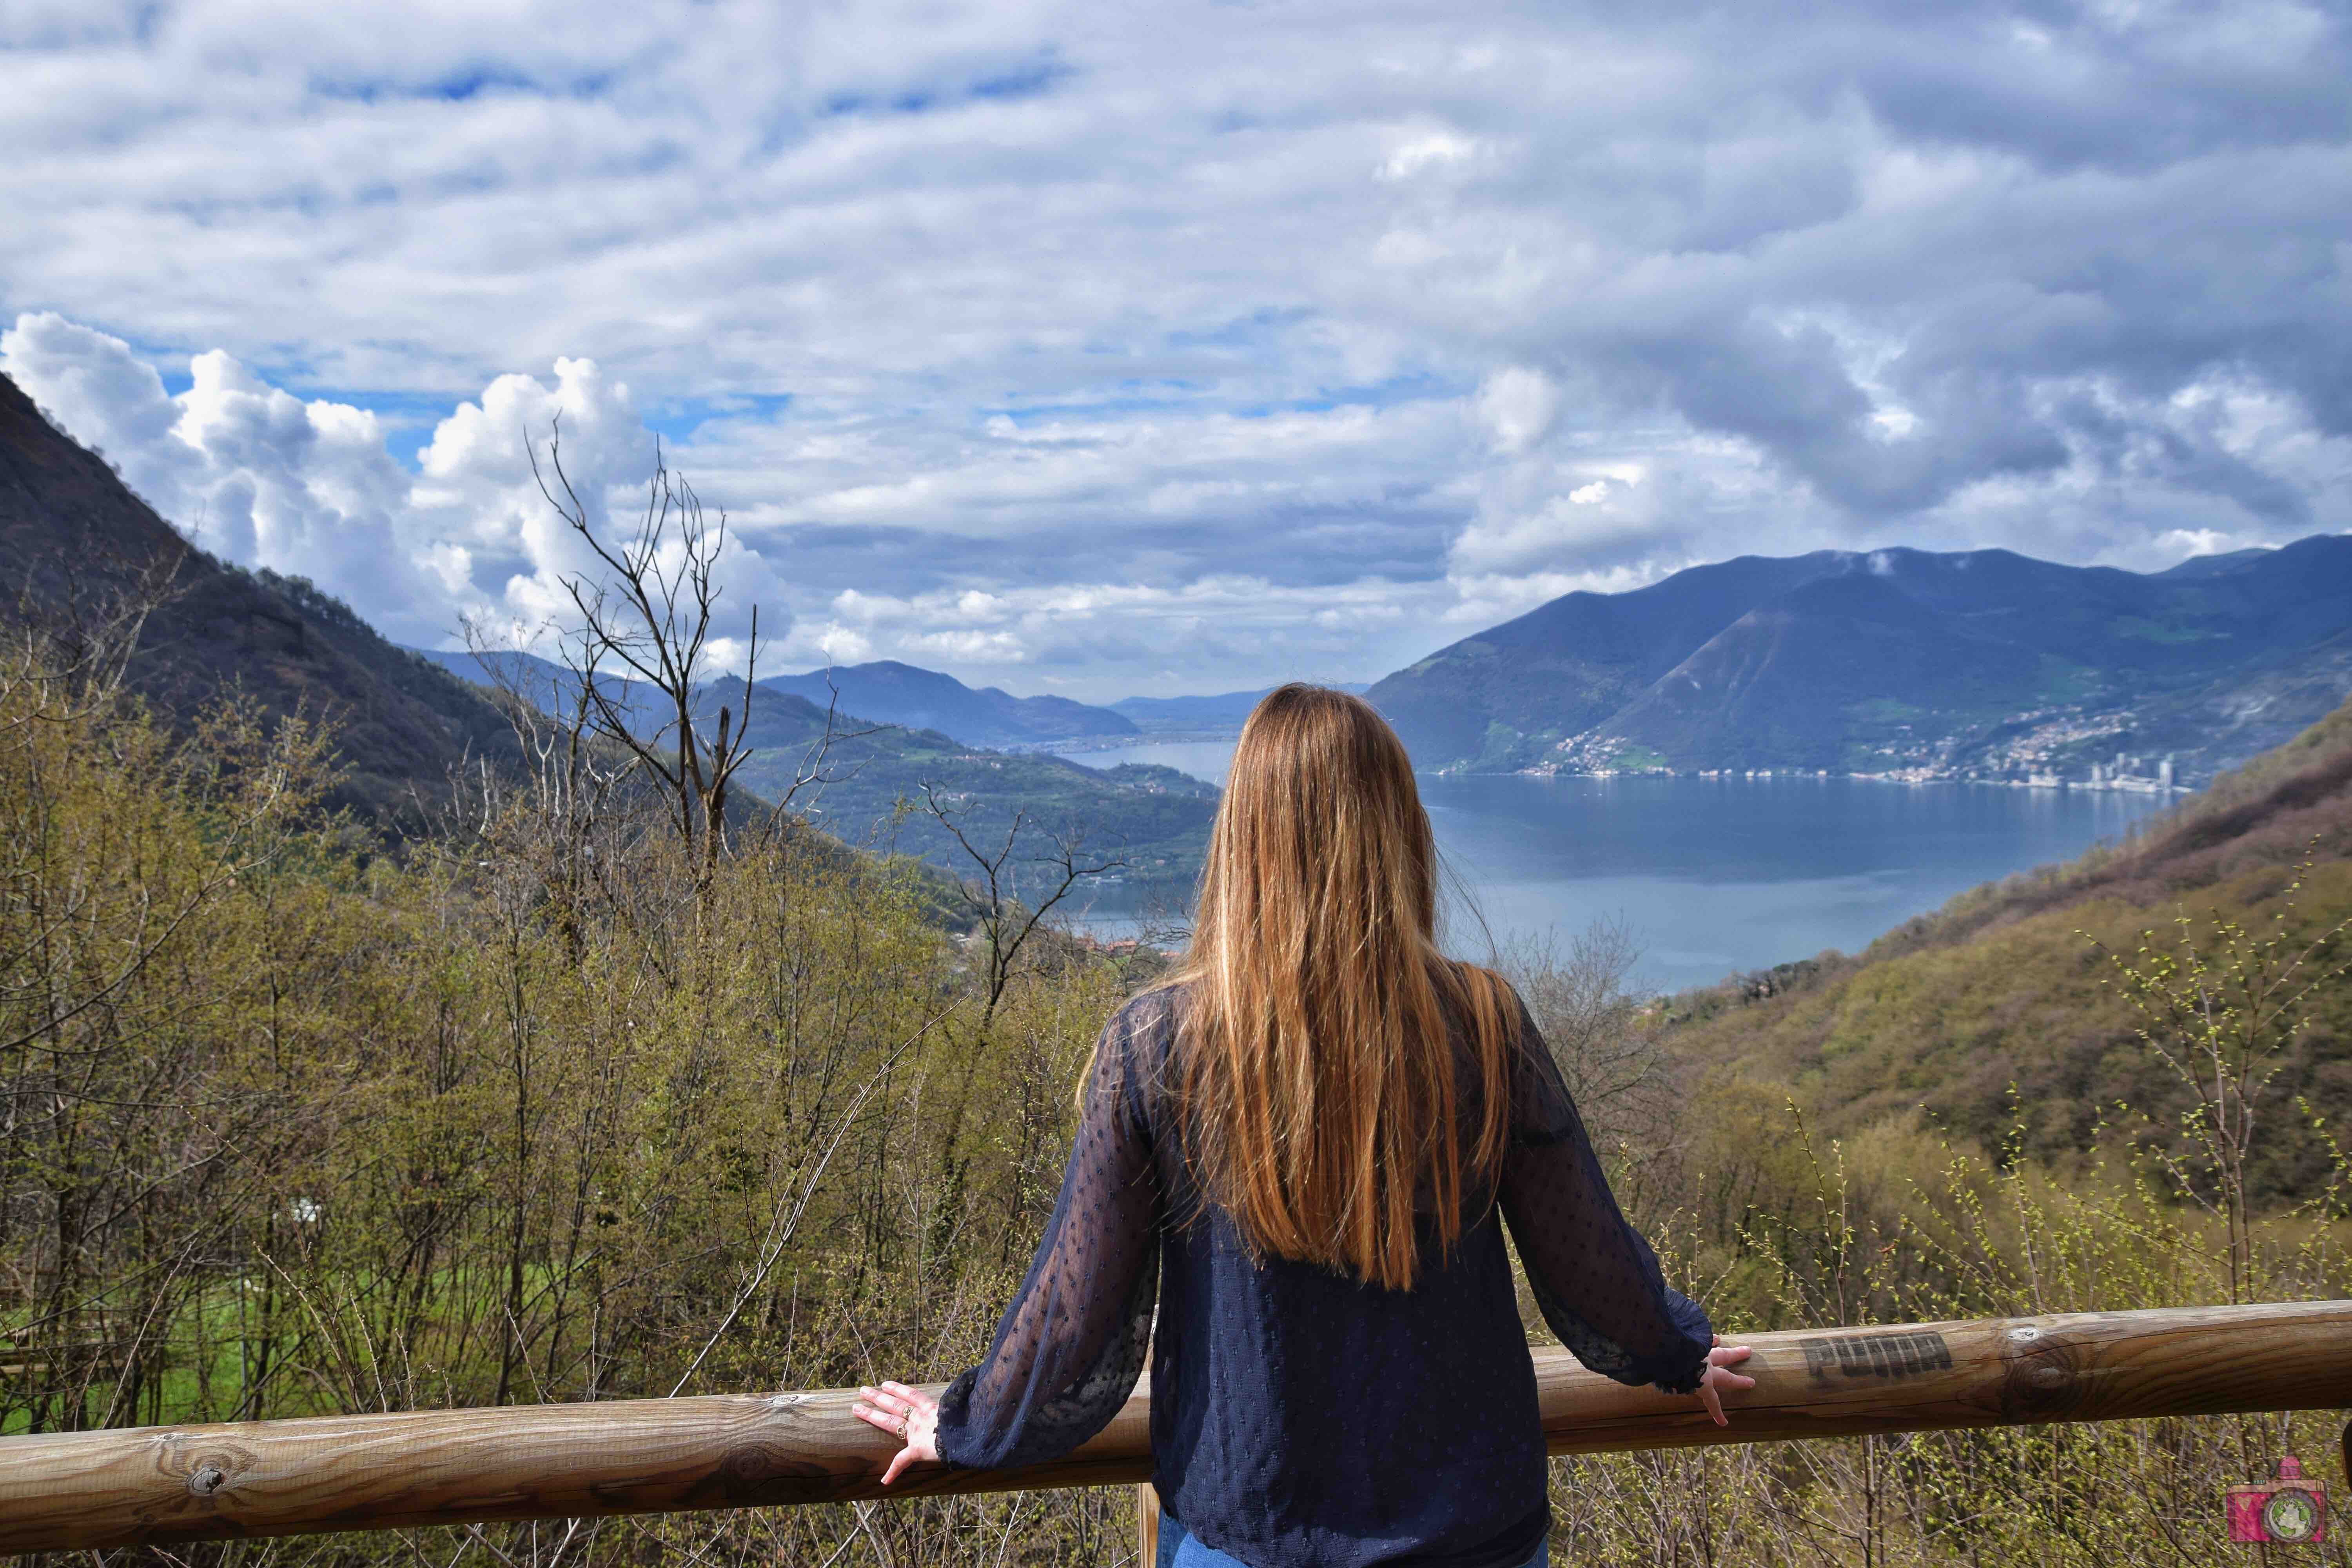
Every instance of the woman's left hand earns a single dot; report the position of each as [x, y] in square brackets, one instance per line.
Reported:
[907, 1413]
[1718, 1377]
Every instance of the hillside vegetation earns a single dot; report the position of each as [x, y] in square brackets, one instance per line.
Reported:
[555, 1107]
[547, 1107]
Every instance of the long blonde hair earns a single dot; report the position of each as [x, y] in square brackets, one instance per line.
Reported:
[1315, 1083]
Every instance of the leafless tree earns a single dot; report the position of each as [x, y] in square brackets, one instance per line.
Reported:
[993, 896]
[75, 625]
[650, 613]
[1599, 1023]
[573, 778]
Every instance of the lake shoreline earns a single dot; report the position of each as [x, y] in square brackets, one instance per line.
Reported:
[2131, 785]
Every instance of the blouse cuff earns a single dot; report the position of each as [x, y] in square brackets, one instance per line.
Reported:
[1686, 1383]
[1699, 1334]
[951, 1437]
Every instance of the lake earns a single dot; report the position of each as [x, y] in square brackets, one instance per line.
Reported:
[1714, 876]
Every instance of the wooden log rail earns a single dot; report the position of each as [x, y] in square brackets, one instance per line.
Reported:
[154, 1485]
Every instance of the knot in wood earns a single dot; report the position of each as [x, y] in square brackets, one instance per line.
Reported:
[213, 1469]
[761, 1473]
[2045, 1379]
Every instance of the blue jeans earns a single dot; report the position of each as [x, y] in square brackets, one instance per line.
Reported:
[1178, 1549]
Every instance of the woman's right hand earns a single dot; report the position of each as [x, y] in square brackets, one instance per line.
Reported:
[907, 1413]
[1719, 1376]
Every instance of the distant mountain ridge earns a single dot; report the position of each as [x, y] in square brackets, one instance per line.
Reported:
[893, 693]
[1221, 713]
[1982, 664]
[1154, 820]
[883, 692]
[888, 693]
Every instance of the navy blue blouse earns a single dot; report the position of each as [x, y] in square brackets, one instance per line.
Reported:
[1300, 1417]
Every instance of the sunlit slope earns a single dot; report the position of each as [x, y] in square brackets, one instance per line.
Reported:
[1991, 1011]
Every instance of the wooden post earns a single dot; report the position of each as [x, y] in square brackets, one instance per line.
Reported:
[1147, 1525]
[81, 1490]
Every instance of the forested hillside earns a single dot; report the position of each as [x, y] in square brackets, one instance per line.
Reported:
[1148, 823]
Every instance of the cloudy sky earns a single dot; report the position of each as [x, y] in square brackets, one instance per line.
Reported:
[1113, 348]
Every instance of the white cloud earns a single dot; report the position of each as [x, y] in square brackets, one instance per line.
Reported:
[1400, 314]
[310, 489]
[1048, 635]
[251, 473]
[1427, 149]
[1521, 405]
[108, 397]
[477, 496]
[2191, 543]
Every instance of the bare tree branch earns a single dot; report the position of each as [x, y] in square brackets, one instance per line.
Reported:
[651, 609]
[1005, 922]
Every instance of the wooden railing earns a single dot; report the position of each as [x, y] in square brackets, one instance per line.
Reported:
[159, 1484]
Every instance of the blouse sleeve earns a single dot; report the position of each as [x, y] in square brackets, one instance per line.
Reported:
[1072, 1342]
[1594, 1278]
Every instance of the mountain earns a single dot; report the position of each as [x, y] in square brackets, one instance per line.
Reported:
[1983, 664]
[1155, 820]
[884, 692]
[1219, 714]
[2214, 565]
[544, 683]
[889, 692]
[1564, 667]
[74, 541]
